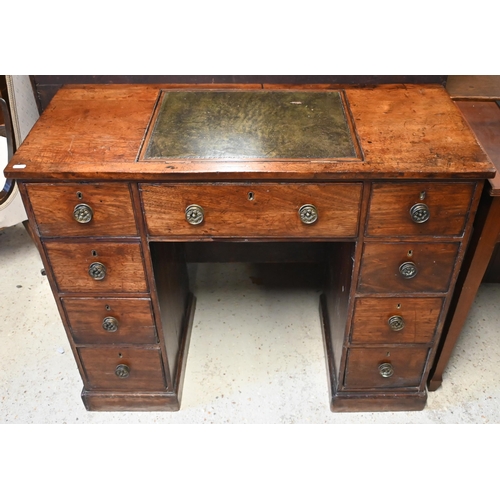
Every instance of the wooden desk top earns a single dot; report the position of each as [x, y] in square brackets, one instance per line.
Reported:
[97, 132]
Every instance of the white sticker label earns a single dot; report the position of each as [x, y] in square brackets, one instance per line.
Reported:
[18, 166]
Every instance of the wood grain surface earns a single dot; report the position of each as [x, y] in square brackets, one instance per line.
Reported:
[448, 204]
[252, 210]
[146, 371]
[381, 261]
[134, 316]
[96, 132]
[123, 261]
[362, 371]
[53, 205]
[371, 315]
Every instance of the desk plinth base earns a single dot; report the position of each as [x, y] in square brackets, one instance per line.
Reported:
[344, 401]
[148, 401]
[105, 401]
[352, 402]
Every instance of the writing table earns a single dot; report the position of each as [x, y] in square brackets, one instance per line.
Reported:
[126, 184]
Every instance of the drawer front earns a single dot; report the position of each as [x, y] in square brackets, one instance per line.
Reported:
[402, 209]
[110, 321]
[73, 264]
[385, 367]
[395, 320]
[102, 209]
[407, 267]
[122, 369]
[253, 210]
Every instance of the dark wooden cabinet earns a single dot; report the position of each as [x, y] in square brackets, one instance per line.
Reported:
[383, 198]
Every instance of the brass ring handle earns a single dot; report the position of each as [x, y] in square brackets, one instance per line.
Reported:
[97, 271]
[110, 324]
[408, 270]
[122, 371]
[194, 214]
[420, 213]
[386, 370]
[308, 214]
[396, 323]
[82, 213]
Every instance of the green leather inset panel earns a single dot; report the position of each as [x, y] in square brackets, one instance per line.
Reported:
[250, 124]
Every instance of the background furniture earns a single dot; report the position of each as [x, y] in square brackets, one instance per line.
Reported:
[477, 97]
[20, 114]
[46, 86]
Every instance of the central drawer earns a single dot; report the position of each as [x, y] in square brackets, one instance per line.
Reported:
[266, 210]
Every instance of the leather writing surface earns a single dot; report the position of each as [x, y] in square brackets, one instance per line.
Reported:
[259, 124]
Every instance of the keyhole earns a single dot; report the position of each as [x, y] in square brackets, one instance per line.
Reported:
[410, 253]
[399, 306]
[250, 196]
[107, 307]
[79, 195]
[388, 354]
[423, 195]
[120, 355]
[94, 253]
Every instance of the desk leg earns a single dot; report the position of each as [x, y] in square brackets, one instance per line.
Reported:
[480, 251]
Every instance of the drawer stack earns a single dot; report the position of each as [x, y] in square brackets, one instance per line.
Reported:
[411, 243]
[92, 248]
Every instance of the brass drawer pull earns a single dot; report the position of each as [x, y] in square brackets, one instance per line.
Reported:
[386, 370]
[194, 214]
[396, 323]
[122, 371]
[82, 213]
[97, 271]
[110, 324]
[420, 213]
[308, 214]
[408, 270]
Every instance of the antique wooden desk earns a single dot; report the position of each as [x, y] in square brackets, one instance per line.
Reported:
[126, 184]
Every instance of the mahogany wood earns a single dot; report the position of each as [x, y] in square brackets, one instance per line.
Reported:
[362, 370]
[484, 119]
[54, 204]
[481, 248]
[172, 288]
[371, 319]
[134, 317]
[71, 261]
[381, 261]
[90, 138]
[391, 203]
[337, 300]
[271, 252]
[481, 262]
[252, 210]
[47, 85]
[477, 87]
[100, 363]
[73, 139]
